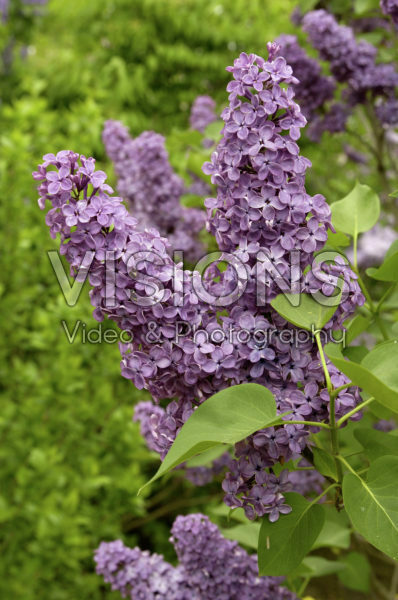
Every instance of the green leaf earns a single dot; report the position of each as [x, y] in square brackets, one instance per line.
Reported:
[358, 325]
[393, 249]
[388, 271]
[246, 534]
[335, 532]
[357, 212]
[233, 514]
[338, 240]
[316, 566]
[283, 545]
[356, 353]
[376, 374]
[376, 443]
[325, 463]
[213, 130]
[303, 311]
[356, 575]
[372, 504]
[206, 457]
[226, 418]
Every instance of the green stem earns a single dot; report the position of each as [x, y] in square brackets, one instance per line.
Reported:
[332, 409]
[303, 586]
[330, 487]
[337, 390]
[385, 297]
[353, 411]
[346, 464]
[323, 361]
[355, 248]
[309, 423]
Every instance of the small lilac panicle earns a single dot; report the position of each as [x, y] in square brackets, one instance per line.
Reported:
[334, 121]
[138, 574]
[313, 89]
[351, 62]
[390, 8]
[4, 5]
[210, 567]
[203, 112]
[152, 189]
[261, 214]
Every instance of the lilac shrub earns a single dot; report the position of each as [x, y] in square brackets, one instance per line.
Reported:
[209, 567]
[153, 191]
[182, 349]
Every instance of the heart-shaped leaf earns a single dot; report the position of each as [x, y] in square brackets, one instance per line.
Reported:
[372, 505]
[283, 545]
[304, 311]
[388, 271]
[226, 418]
[356, 574]
[357, 212]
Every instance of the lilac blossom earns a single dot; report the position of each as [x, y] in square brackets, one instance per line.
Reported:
[152, 189]
[210, 567]
[351, 62]
[262, 210]
[202, 113]
[390, 8]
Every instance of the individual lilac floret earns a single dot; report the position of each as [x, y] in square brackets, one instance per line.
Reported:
[390, 8]
[203, 112]
[313, 89]
[152, 189]
[210, 567]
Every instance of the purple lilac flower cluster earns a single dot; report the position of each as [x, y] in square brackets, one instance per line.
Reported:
[209, 567]
[153, 191]
[203, 112]
[352, 63]
[390, 8]
[261, 214]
